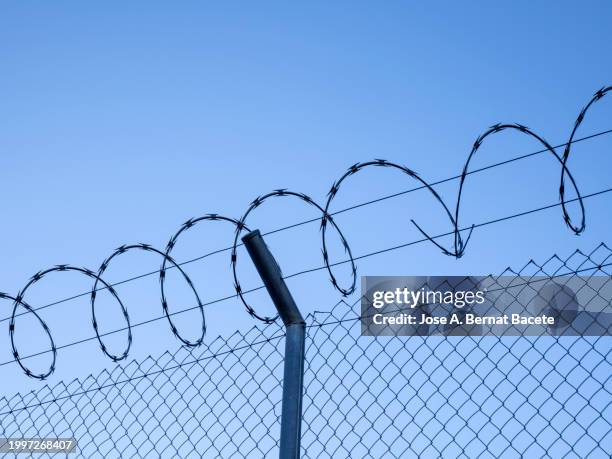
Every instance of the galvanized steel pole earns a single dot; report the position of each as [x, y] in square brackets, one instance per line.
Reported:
[293, 379]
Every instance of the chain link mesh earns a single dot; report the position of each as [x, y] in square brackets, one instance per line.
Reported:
[459, 396]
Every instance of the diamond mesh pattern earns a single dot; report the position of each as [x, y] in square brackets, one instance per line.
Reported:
[377, 397]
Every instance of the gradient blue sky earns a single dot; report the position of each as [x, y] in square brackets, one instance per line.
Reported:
[121, 121]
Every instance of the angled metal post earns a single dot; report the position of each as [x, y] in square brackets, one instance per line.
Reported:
[293, 378]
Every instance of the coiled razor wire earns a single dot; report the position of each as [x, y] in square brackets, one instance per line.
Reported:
[326, 218]
[458, 249]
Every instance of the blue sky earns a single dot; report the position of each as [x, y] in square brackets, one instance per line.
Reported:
[121, 121]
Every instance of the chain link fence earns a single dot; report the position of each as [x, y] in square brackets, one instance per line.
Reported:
[418, 396]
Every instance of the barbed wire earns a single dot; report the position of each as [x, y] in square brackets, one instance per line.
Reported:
[326, 217]
[200, 305]
[459, 244]
[457, 251]
[311, 220]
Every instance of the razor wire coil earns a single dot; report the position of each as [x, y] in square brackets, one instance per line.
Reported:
[458, 249]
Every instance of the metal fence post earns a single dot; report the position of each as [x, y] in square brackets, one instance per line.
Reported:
[293, 378]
